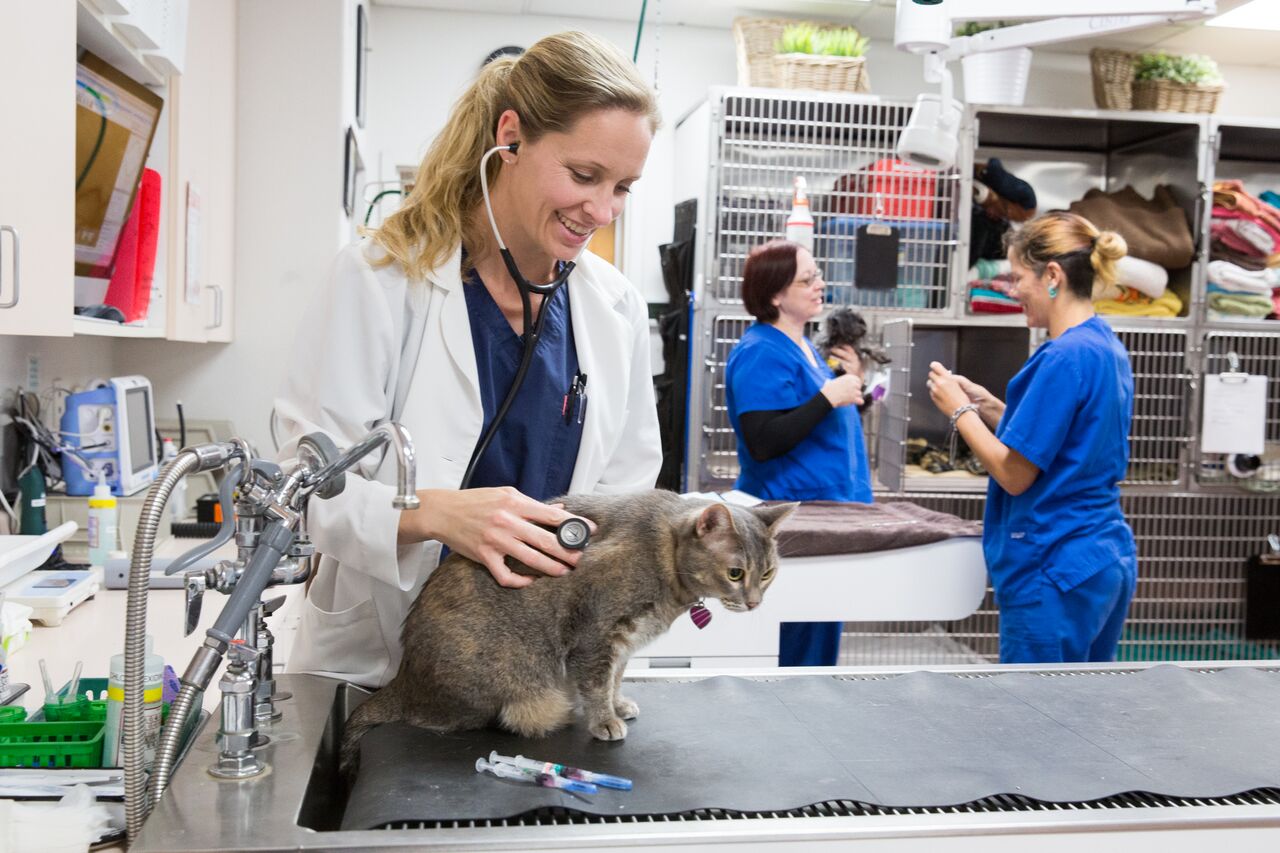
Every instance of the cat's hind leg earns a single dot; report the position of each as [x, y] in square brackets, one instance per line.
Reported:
[623, 706]
[594, 673]
[537, 711]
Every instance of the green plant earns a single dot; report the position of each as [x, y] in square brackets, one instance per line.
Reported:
[972, 28]
[807, 38]
[1187, 70]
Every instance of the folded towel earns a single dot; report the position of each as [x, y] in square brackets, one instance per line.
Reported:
[1241, 304]
[988, 269]
[1168, 305]
[1270, 198]
[1220, 251]
[1252, 233]
[1232, 196]
[1224, 317]
[1223, 231]
[1233, 277]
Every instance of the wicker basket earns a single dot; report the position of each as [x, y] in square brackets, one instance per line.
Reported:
[756, 41]
[1112, 78]
[826, 73]
[1167, 96]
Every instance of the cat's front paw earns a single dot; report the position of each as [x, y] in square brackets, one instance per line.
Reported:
[625, 708]
[612, 729]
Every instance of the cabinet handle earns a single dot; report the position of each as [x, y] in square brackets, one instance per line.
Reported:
[217, 305]
[17, 270]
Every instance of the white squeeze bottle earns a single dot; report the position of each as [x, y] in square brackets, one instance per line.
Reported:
[104, 524]
[800, 222]
[152, 695]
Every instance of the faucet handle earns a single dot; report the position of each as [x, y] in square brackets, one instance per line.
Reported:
[269, 607]
[195, 584]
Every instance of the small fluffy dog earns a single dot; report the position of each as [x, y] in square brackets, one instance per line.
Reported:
[845, 327]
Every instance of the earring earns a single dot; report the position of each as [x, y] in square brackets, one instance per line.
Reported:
[1053, 293]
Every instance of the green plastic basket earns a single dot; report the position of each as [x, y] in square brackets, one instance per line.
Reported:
[51, 744]
[12, 713]
[83, 709]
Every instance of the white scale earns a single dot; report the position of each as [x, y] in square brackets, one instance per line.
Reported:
[51, 595]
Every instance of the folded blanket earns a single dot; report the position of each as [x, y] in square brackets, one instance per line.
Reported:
[1222, 231]
[1224, 317]
[1271, 228]
[1232, 277]
[1251, 232]
[1155, 229]
[1143, 276]
[1270, 198]
[988, 269]
[818, 528]
[1233, 196]
[1168, 305]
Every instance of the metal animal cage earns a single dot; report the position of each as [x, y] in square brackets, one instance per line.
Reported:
[1159, 438]
[756, 143]
[1258, 353]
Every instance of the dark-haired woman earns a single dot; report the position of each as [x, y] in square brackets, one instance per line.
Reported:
[799, 433]
[1060, 554]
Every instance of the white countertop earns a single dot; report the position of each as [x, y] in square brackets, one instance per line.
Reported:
[94, 631]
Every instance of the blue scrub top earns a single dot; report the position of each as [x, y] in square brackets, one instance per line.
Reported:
[1068, 412]
[767, 371]
[535, 450]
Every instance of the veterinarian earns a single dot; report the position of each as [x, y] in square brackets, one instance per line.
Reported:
[797, 423]
[1061, 556]
[423, 322]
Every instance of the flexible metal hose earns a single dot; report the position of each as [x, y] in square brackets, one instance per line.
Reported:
[137, 806]
[170, 741]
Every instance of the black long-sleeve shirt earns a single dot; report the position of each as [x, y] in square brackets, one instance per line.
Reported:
[771, 433]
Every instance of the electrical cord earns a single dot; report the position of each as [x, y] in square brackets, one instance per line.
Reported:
[369, 212]
[635, 53]
[102, 132]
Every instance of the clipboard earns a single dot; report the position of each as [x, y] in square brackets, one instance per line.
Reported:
[876, 249]
[1234, 416]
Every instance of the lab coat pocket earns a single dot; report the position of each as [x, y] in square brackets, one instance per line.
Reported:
[347, 643]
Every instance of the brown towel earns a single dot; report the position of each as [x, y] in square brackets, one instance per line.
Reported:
[1156, 229]
[827, 527]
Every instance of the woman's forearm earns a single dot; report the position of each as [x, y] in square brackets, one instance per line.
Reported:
[1013, 471]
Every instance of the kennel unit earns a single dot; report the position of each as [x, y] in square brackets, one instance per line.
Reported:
[751, 144]
[1246, 150]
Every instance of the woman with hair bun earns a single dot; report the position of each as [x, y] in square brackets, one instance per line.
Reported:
[1060, 554]
[560, 133]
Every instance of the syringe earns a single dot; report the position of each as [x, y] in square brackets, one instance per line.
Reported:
[546, 780]
[602, 779]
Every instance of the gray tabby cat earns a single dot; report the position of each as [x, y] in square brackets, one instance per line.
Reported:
[477, 654]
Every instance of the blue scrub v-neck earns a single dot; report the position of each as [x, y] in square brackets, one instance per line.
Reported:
[534, 449]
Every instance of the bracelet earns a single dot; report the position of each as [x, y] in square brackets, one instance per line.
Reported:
[967, 407]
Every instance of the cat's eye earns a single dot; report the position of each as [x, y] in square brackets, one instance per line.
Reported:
[767, 575]
[736, 574]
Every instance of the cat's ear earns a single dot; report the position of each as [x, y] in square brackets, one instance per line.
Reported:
[773, 516]
[716, 518]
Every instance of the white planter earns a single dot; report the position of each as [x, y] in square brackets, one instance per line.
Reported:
[998, 77]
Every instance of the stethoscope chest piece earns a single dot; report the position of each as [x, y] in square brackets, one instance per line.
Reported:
[573, 534]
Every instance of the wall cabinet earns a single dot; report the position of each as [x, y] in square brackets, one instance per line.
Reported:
[194, 147]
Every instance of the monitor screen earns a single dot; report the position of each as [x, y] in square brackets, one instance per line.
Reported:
[138, 415]
[116, 118]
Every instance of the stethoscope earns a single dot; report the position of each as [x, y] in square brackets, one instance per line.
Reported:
[572, 533]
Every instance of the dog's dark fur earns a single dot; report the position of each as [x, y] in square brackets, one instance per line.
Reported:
[478, 654]
[845, 327]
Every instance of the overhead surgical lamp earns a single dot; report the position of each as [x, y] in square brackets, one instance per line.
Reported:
[925, 26]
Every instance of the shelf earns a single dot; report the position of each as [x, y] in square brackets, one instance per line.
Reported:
[95, 32]
[93, 327]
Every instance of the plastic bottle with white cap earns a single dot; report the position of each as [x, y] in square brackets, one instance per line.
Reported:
[104, 523]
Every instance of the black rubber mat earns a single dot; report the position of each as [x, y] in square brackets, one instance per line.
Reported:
[921, 739]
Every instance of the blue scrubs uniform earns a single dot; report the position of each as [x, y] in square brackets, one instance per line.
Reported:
[767, 371]
[1061, 556]
[536, 447]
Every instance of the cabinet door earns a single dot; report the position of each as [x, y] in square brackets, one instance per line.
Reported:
[37, 166]
[203, 190]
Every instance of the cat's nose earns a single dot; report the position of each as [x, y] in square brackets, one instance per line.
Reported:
[752, 605]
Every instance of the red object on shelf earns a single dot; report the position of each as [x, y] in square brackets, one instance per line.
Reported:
[135, 263]
[888, 189]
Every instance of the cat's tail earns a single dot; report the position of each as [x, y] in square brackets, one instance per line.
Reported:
[381, 707]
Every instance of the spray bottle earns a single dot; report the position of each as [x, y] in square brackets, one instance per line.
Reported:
[800, 222]
[104, 522]
[152, 707]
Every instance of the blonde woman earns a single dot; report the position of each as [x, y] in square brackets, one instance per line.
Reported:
[572, 123]
[1060, 554]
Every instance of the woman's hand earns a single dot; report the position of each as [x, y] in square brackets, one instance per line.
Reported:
[849, 360]
[990, 408]
[945, 389]
[488, 525]
[843, 391]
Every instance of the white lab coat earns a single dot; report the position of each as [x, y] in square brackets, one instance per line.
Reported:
[347, 361]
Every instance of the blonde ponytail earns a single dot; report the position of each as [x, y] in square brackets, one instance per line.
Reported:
[550, 86]
[1068, 239]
